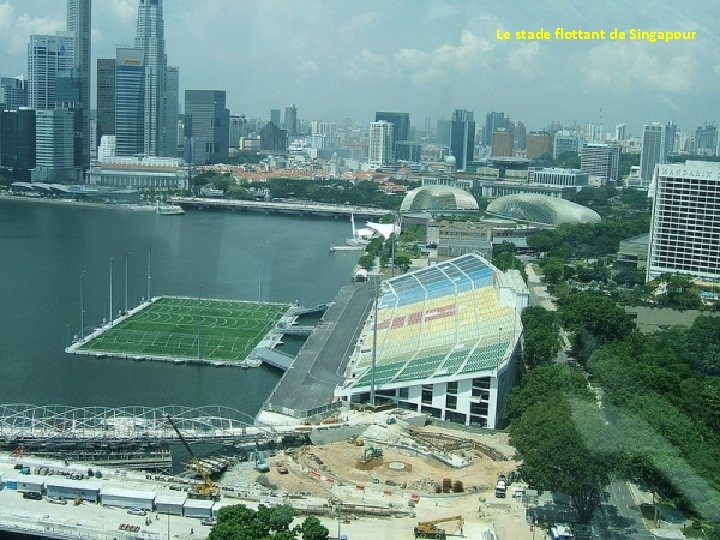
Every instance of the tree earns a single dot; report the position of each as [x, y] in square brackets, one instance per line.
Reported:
[312, 529]
[595, 313]
[541, 336]
[239, 522]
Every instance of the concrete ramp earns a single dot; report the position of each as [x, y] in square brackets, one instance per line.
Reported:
[274, 358]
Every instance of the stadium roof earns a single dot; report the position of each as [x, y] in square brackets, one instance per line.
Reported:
[537, 208]
[438, 198]
[439, 321]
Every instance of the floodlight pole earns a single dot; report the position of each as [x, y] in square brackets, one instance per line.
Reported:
[111, 291]
[374, 351]
[82, 305]
[126, 281]
[148, 274]
[198, 322]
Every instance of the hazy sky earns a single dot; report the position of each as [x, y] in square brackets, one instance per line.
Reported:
[339, 58]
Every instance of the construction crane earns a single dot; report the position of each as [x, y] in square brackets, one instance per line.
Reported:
[207, 490]
[428, 529]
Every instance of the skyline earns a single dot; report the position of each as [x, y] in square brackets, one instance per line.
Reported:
[427, 58]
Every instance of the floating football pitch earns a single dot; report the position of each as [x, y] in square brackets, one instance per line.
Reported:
[171, 327]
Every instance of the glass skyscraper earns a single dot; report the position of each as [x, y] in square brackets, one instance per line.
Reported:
[129, 101]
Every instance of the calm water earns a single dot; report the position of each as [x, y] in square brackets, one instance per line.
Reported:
[44, 249]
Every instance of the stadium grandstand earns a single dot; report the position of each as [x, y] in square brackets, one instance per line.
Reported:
[447, 339]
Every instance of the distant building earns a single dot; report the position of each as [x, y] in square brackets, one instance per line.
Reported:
[13, 93]
[140, 173]
[495, 121]
[685, 223]
[539, 143]
[462, 138]
[565, 141]
[105, 97]
[54, 147]
[172, 108]
[207, 127]
[633, 252]
[400, 122]
[595, 132]
[519, 136]
[273, 139]
[620, 132]
[238, 128]
[129, 101]
[291, 120]
[657, 144]
[78, 22]
[602, 161]
[407, 151]
[575, 178]
[502, 144]
[381, 151]
[48, 55]
[17, 143]
[275, 117]
[707, 141]
[444, 129]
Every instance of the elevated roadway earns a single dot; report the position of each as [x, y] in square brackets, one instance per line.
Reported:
[286, 207]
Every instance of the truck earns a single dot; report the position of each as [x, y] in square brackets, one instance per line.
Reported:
[501, 486]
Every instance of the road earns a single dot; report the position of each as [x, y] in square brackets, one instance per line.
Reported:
[619, 516]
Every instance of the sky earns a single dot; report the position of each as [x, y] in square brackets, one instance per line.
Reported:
[335, 59]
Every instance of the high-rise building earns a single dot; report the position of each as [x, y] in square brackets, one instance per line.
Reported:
[150, 38]
[565, 141]
[657, 143]
[47, 55]
[291, 124]
[273, 139]
[502, 144]
[129, 101]
[207, 127]
[275, 117]
[105, 97]
[620, 132]
[407, 151]
[382, 138]
[706, 141]
[519, 136]
[462, 138]
[495, 121]
[539, 143]
[594, 132]
[602, 161]
[238, 128]
[17, 143]
[78, 19]
[444, 128]
[400, 121]
[13, 93]
[685, 223]
[172, 92]
[54, 146]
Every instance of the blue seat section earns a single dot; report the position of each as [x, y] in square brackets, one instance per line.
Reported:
[486, 357]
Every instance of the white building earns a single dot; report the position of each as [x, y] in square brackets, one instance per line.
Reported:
[46, 56]
[657, 143]
[380, 151]
[685, 224]
[447, 340]
[601, 161]
[557, 177]
[54, 147]
[140, 173]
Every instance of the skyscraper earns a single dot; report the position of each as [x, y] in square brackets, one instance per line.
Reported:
[601, 160]
[129, 101]
[275, 116]
[620, 132]
[400, 121]
[173, 110]
[291, 120]
[13, 93]
[150, 38]
[47, 55]
[105, 97]
[207, 127]
[539, 143]
[494, 121]
[381, 147]
[502, 144]
[17, 143]
[462, 138]
[706, 141]
[657, 144]
[78, 22]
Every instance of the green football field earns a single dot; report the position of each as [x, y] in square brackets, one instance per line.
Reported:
[169, 327]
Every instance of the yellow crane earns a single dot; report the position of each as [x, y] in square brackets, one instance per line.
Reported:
[207, 490]
[428, 529]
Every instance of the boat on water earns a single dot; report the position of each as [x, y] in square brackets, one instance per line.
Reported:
[360, 237]
[341, 247]
[170, 210]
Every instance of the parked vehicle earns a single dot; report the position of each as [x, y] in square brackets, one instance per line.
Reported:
[57, 500]
[136, 512]
[32, 495]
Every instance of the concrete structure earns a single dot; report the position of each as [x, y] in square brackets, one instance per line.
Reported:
[127, 498]
[140, 173]
[558, 177]
[460, 238]
[633, 252]
[565, 141]
[13, 93]
[602, 161]
[79, 15]
[28, 483]
[273, 139]
[447, 339]
[85, 490]
[105, 97]
[198, 508]
[54, 147]
[130, 101]
[291, 120]
[502, 144]
[47, 55]
[170, 503]
[381, 149]
[17, 143]
[207, 127]
[539, 143]
[685, 224]
[657, 143]
[462, 138]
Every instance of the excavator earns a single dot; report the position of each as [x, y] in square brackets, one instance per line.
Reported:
[428, 529]
[206, 490]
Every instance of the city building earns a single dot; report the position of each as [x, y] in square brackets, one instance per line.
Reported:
[150, 38]
[447, 341]
[565, 141]
[105, 97]
[48, 55]
[275, 117]
[141, 173]
[657, 143]
[291, 120]
[620, 132]
[172, 92]
[238, 129]
[407, 151]
[575, 178]
[707, 141]
[207, 127]
[541, 209]
[380, 151]
[54, 147]
[685, 222]
[519, 136]
[595, 132]
[444, 130]
[273, 139]
[17, 143]
[78, 19]
[601, 161]
[400, 121]
[539, 143]
[436, 198]
[495, 121]
[13, 93]
[502, 144]
[462, 138]
[130, 101]
[633, 252]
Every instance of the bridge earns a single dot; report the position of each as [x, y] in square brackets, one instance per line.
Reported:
[21, 422]
[285, 207]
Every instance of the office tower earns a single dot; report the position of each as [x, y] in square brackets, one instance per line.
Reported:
[150, 38]
[238, 128]
[407, 151]
[657, 143]
[539, 143]
[105, 97]
[382, 138]
[620, 132]
[17, 143]
[462, 138]
[55, 146]
[601, 160]
[172, 103]
[273, 139]
[46, 56]
[129, 101]
[519, 132]
[685, 222]
[565, 141]
[495, 121]
[78, 22]
[502, 144]
[13, 93]
[444, 128]
[594, 132]
[275, 117]
[291, 120]
[207, 127]
[400, 121]
[706, 141]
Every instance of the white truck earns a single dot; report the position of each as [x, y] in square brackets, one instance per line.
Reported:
[501, 486]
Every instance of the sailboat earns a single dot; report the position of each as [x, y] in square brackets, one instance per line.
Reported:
[359, 237]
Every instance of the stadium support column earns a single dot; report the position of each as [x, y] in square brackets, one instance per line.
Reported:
[126, 280]
[148, 273]
[374, 353]
[198, 321]
[82, 305]
[111, 291]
